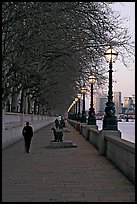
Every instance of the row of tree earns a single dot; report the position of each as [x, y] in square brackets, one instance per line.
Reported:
[49, 49]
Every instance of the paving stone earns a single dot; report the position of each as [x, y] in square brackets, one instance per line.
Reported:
[61, 174]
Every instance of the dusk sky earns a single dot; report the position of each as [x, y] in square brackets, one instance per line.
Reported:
[124, 76]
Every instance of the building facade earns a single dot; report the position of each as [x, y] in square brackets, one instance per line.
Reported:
[117, 102]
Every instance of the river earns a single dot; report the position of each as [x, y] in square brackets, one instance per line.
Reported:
[127, 130]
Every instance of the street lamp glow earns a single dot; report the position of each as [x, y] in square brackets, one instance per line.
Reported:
[76, 99]
[79, 96]
[92, 79]
[84, 89]
[111, 55]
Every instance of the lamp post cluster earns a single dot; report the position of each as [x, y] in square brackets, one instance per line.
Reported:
[75, 114]
[110, 120]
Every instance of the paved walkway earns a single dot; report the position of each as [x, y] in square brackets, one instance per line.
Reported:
[62, 174]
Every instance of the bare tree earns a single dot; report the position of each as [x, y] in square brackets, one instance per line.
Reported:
[49, 48]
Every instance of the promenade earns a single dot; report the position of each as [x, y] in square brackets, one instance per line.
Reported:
[77, 174]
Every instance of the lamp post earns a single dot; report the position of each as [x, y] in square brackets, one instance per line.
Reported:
[110, 120]
[74, 110]
[79, 96]
[76, 116]
[83, 118]
[91, 117]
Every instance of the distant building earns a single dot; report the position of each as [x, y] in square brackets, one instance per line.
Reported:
[126, 102]
[99, 102]
[117, 102]
[129, 104]
[102, 104]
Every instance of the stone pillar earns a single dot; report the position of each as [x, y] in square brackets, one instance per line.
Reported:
[102, 141]
[87, 130]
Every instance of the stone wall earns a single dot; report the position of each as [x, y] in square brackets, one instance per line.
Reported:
[13, 123]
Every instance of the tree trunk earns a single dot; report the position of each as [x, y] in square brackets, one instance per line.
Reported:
[14, 102]
[23, 101]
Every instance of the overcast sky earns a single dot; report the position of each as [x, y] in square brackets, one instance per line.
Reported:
[124, 77]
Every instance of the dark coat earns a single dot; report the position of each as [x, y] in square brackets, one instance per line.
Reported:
[27, 132]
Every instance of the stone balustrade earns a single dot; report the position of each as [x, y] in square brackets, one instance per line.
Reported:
[109, 143]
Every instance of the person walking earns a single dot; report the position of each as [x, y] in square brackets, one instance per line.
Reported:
[27, 133]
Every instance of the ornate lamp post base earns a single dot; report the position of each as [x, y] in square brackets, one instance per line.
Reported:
[91, 118]
[83, 120]
[92, 121]
[110, 123]
[79, 118]
[83, 117]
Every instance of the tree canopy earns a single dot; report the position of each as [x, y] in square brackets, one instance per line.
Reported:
[49, 48]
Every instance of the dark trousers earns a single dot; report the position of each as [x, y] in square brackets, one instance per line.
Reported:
[27, 144]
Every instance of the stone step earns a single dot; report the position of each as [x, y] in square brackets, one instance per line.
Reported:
[64, 144]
